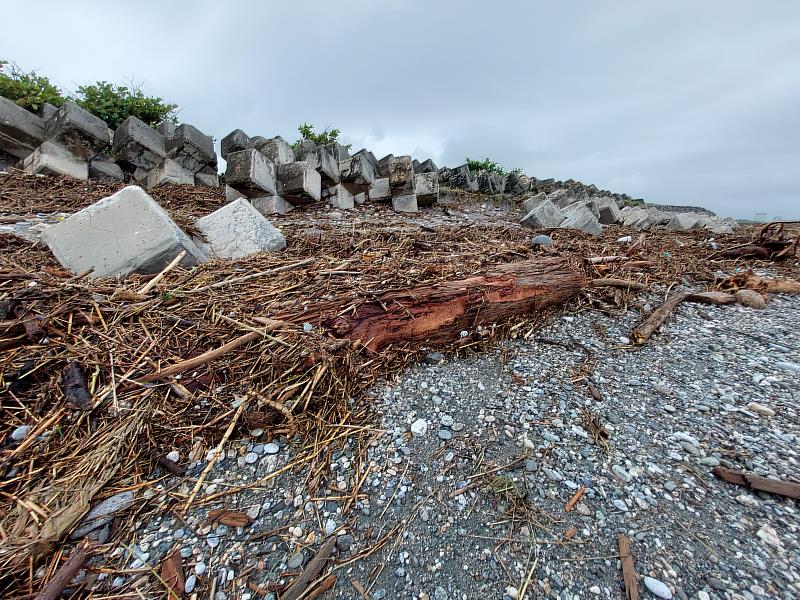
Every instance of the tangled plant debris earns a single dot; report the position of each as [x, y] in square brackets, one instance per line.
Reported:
[103, 379]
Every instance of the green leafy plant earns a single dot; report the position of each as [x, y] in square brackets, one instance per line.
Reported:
[114, 103]
[325, 137]
[486, 165]
[29, 90]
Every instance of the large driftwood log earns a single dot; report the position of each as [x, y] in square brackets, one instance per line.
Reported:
[438, 313]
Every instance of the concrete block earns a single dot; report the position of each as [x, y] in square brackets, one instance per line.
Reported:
[235, 141]
[609, 211]
[275, 149]
[415, 165]
[299, 183]
[49, 111]
[338, 151]
[232, 194]
[427, 166]
[139, 144]
[303, 149]
[383, 166]
[578, 216]
[401, 175]
[426, 188]
[102, 167]
[532, 202]
[444, 176]
[517, 183]
[461, 178]
[338, 196]
[191, 148]
[323, 162]
[237, 230]
[251, 173]
[684, 221]
[379, 190]
[52, 159]
[167, 129]
[405, 203]
[124, 233]
[204, 179]
[271, 205]
[543, 216]
[370, 157]
[360, 199]
[21, 132]
[77, 130]
[169, 171]
[356, 173]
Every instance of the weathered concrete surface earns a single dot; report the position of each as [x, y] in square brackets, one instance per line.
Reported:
[401, 175]
[275, 149]
[7, 160]
[236, 230]
[609, 211]
[427, 166]
[338, 196]
[52, 159]
[426, 187]
[207, 177]
[461, 178]
[169, 171]
[379, 191]
[139, 144]
[299, 183]
[406, 203]
[124, 233]
[382, 170]
[532, 202]
[543, 216]
[578, 216]
[232, 194]
[191, 148]
[21, 132]
[321, 160]
[271, 205]
[338, 151]
[517, 183]
[101, 166]
[79, 131]
[356, 173]
[251, 173]
[684, 221]
[235, 141]
[360, 199]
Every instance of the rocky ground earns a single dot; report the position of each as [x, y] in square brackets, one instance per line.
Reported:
[463, 487]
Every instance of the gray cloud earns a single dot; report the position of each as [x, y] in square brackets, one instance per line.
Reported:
[679, 102]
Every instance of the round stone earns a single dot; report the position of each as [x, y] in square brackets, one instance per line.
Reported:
[250, 458]
[445, 434]
[658, 588]
[447, 421]
[271, 448]
[190, 584]
[295, 561]
[20, 433]
[419, 427]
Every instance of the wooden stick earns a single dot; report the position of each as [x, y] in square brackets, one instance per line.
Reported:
[220, 284]
[574, 500]
[642, 333]
[628, 569]
[598, 260]
[217, 453]
[313, 569]
[154, 281]
[204, 358]
[712, 298]
[757, 482]
[66, 572]
[618, 283]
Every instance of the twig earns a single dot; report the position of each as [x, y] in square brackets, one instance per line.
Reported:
[66, 572]
[628, 569]
[220, 284]
[154, 281]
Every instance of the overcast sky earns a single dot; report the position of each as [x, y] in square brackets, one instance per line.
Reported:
[679, 102]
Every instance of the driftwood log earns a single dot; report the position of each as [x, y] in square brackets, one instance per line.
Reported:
[759, 483]
[438, 313]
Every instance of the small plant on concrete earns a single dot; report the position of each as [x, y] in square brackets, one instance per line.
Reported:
[114, 103]
[485, 165]
[29, 90]
[327, 136]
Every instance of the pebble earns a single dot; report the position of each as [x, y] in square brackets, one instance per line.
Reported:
[419, 427]
[764, 411]
[200, 568]
[174, 456]
[658, 588]
[250, 458]
[445, 434]
[512, 592]
[271, 448]
[191, 582]
[622, 473]
[295, 561]
[620, 505]
[447, 421]
[20, 433]
[541, 240]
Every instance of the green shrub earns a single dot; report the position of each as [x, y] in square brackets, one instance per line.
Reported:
[327, 136]
[115, 103]
[29, 90]
[486, 165]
